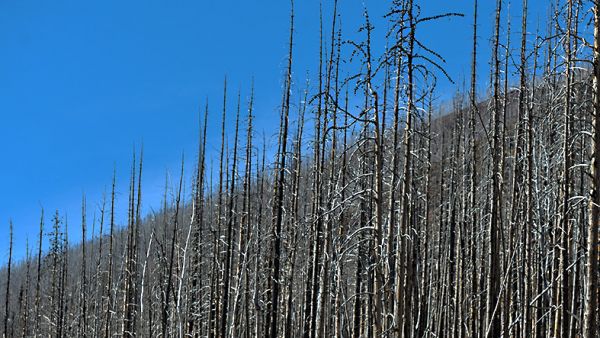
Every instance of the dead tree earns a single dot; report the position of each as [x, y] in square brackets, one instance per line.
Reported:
[7, 295]
[590, 326]
[166, 312]
[493, 278]
[474, 312]
[130, 305]
[272, 315]
[561, 323]
[107, 288]
[194, 328]
[227, 275]
[82, 323]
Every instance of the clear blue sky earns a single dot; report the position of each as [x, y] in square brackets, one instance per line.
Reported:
[82, 82]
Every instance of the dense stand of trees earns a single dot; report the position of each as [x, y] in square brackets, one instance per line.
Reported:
[388, 220]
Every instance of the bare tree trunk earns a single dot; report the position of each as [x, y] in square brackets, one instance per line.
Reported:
[194, 326]
[272, 315]
[590, 326]
[561, 324]
[493, 278]
[109, 307]
[36, 328]
[166, 309]
[295, 224]
[98, 305]
[130, 305]
[213, 323]
[7, 295]
[474, 312]
[227, 275]
[83, 295]
[403, 290]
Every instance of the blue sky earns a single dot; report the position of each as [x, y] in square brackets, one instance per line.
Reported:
[83, 82]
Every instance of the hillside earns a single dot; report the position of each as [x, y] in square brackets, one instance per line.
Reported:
[375, 217]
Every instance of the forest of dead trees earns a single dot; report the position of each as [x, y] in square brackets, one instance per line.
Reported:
[375, 216]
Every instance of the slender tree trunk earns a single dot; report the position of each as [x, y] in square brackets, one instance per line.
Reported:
[403, 290]
[561, 324]
[590, 325]
[7, 295]
[227, 275]
[83, 295]
[107, 328]
[36, 329]
[272, 318]
[166, 312]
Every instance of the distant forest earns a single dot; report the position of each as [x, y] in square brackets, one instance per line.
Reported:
[374, 217]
